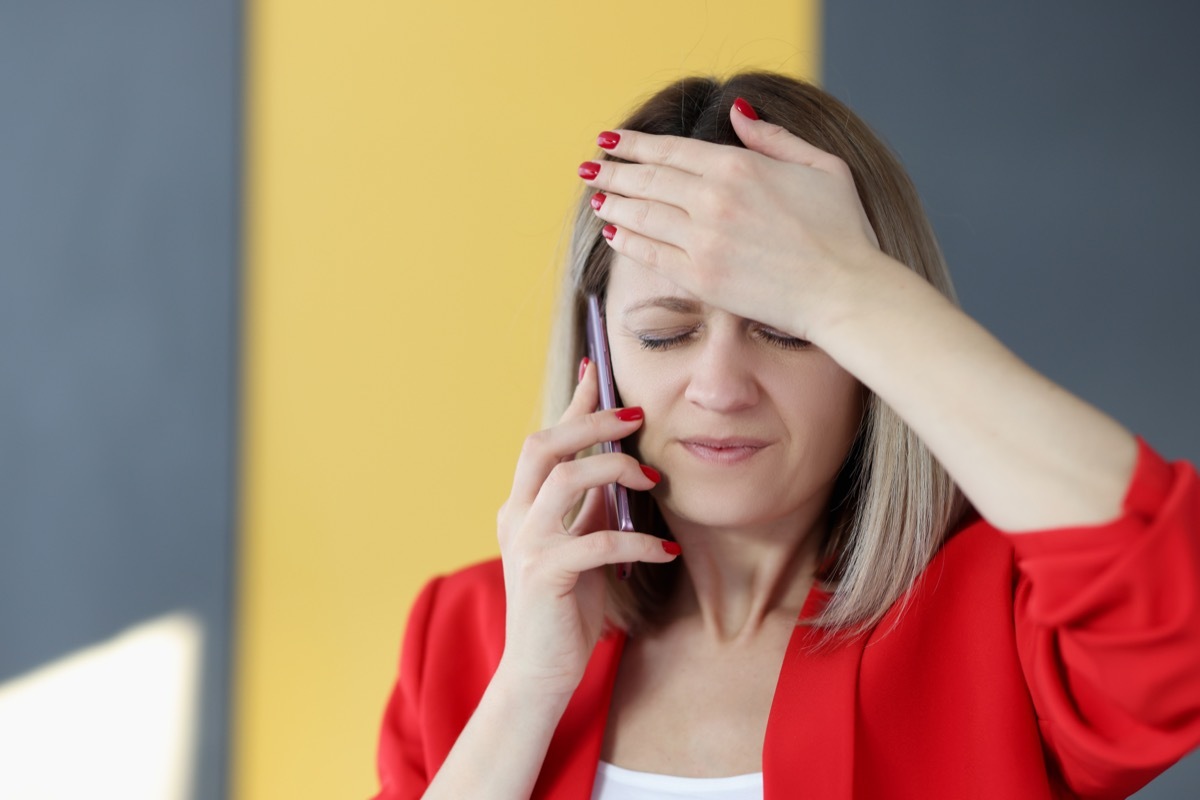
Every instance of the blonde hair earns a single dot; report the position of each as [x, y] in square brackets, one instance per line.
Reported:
[893, 504]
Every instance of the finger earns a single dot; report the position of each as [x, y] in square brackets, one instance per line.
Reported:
[659, 221]
[580, 554]
[652, 182]
[544, 450]
[532, 466]
[684, 154]
[661, 257]
[569, 480]
[777, 142]
[586, 396]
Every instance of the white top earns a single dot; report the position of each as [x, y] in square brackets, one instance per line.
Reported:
[618, 783]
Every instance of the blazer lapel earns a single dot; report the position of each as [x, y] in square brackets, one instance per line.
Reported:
[809, 746]
[569, 771]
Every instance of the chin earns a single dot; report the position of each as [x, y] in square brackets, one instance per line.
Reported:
[723, 507]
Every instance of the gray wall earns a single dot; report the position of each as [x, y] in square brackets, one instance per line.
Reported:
[1056, 147]
[119, 213]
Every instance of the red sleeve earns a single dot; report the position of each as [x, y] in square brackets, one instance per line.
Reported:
[401, 758]
[1108, 632]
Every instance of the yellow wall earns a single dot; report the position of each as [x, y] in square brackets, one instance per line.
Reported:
[408, 170]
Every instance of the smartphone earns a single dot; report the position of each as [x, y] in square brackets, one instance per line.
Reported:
[616, 495]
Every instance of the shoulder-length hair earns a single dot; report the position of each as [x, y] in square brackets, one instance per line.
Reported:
[893, 504]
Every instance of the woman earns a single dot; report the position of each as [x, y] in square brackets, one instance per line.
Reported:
[808, 414]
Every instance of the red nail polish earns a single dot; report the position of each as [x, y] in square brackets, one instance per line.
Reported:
[672, 547]
[651, 473]
[583, 365]
[589, 170]
[745, 108]
[629, 414]
[609, 231]
[598, 200]
[608, 140]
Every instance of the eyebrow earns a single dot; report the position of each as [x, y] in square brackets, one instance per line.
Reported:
[678, 304]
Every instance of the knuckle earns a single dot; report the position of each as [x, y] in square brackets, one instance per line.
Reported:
[709, 199]
[723, 209]
[664, 149]
[600, 543]
[647, 254]
[720, 202]
[596, 424]
[708, 282]
[706, 244]
[640, 215]
[776, 131]
[644, 178]
[733, 167]
[534, 444]
[537, 444]
[562, 475]
[526, 565]
[508, 522]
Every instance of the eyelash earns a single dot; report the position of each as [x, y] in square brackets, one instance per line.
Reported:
[786, 342]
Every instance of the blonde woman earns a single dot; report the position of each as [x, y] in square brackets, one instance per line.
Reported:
[877, 555]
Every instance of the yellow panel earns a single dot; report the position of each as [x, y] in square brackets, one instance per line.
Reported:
[409, 166]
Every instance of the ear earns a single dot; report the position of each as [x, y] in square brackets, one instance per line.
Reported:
[773, 141]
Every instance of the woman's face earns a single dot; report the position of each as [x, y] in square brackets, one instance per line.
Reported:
[747, 425]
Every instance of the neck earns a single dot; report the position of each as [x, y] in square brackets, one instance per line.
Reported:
[738, 581]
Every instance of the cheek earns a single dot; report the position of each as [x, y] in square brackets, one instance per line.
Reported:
[648, 382]
[828, 408]
[624, 372]
[640, 379]
[845, 421]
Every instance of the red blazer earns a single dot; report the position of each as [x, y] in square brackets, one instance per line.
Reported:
[1053, 664]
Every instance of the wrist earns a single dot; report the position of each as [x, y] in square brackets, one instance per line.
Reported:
[868, 276]
[532, 694]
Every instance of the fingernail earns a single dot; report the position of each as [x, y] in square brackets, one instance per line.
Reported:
[583, 367]
[609, 231]
[608, 140]
[598, 200]
[745, 108]
[589, 170]
[672, 547]
[651, 473]
[630, 414]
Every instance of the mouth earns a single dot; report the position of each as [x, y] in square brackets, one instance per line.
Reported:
[724, 451]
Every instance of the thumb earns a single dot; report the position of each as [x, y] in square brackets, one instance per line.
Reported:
[771, 140]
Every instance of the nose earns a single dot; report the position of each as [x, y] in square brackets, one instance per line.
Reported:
[722, 376]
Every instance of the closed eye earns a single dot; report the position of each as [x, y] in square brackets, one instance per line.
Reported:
[782, 339]
[769, 335]
[649, 342]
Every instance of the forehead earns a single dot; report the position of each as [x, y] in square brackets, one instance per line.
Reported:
[629, 282]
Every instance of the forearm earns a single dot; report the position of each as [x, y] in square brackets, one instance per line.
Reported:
[1026, 452]
[499, 753]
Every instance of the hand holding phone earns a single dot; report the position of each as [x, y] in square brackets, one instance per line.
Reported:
[616, 495]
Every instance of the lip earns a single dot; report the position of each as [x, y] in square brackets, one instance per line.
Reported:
[733, 450]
